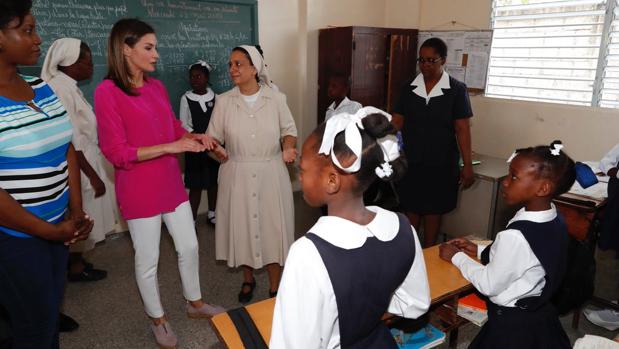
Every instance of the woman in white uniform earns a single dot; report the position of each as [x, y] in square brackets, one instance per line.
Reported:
[67, 62]
[255, 217]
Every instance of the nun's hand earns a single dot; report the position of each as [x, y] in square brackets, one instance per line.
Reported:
[220, 153]
[289, 155]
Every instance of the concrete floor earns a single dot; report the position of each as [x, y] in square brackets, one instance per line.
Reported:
[111, 314]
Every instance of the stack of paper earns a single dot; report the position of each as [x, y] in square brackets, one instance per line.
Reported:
[425, 338]
[473, 309]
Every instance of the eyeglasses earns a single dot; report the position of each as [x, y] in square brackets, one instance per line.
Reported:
[422, 60]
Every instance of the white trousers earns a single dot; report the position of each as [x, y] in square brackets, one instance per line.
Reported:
[146, 236]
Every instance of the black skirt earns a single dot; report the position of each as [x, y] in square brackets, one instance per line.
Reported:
[201, 171]
[429, 189]
[514, 328]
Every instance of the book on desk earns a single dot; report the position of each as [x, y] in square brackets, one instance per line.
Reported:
[473, 309]
[425, 338]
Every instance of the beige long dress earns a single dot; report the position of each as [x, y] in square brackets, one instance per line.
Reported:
[255, 211]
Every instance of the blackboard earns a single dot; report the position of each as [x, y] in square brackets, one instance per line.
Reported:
[186, 31]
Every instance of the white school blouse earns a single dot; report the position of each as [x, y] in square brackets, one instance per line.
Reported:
[514, 272]
[306, 311]
[610, 160]
[205, 101]
[346, 106]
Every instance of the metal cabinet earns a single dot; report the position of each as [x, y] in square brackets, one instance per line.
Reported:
[481, 210]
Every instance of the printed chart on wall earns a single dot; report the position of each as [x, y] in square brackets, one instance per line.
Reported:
[468, 53]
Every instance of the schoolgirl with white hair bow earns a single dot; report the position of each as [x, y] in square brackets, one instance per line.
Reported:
[359, 262]
[196, 108]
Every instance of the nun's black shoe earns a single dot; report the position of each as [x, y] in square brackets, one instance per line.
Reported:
[245, 297]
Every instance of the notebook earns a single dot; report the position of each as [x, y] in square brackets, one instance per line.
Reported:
[427, 337]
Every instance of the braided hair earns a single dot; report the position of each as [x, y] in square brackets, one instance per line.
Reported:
[557, 168]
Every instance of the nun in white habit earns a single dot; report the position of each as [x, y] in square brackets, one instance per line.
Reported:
[67, 62]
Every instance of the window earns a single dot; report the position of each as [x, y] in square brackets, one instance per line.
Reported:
[563, 51]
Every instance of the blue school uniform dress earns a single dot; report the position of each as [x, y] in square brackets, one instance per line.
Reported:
[34, 171]
[195, 114]
[520, 272]
[340, 279]
[430, 185]
[609, 234]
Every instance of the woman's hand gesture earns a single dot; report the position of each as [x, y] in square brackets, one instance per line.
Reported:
[186, 143]
[289, 155]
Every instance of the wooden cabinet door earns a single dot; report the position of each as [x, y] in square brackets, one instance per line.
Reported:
[402, 63]
[369, 60]
[334, 57]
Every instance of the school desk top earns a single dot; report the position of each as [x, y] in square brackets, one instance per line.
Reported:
[445, 282]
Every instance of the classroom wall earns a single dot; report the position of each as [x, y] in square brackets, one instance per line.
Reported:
[501, 125]
[402, 13]
[289, 34]
[281, 24]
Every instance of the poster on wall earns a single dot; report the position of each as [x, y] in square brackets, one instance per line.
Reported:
[468, 54]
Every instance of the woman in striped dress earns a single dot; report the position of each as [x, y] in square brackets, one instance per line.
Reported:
[40, 200]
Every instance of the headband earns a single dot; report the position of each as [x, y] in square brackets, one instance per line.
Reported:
[203, 64]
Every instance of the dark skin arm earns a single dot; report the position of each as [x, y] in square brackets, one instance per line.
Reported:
[463, 136]
[289, 145]
[84, 223]
[612, 172]
[449, 249]
[14, 216]
[95, 180]
[398, 121]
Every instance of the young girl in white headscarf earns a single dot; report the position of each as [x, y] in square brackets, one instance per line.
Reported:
[255, 217]
[69, 61]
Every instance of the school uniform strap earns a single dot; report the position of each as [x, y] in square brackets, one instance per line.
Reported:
[245, 326]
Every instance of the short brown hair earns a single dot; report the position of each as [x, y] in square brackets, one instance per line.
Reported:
[126, 31]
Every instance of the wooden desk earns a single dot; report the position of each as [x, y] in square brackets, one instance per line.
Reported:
[446, 284]
[583, 214]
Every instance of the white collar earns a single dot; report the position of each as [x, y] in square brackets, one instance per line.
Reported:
[209, 95]
[535, 216]
[437, 90]
[348, 235]
[202, 99]
[344, 102]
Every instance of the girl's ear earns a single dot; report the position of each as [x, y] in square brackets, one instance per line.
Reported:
[545, 188]
[333, 181]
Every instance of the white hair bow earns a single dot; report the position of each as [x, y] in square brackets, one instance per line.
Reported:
[555, 149]
[350, 124]
[202, 63]
[511, 157]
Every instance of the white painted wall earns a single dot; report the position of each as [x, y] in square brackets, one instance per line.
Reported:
[501, 125]
[289, 35]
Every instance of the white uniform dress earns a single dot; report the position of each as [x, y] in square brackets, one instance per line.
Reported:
[255, 210]
[345, 106]
[306, 314]
[101, 209]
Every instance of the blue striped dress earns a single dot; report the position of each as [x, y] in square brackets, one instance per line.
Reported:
[33, 153]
